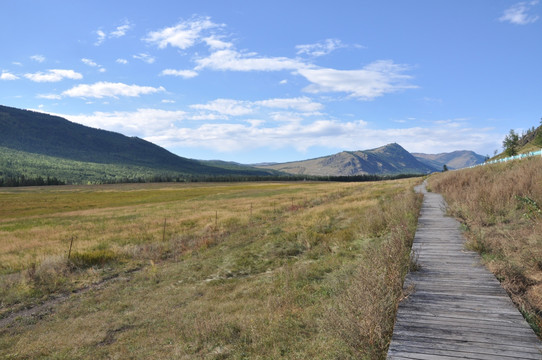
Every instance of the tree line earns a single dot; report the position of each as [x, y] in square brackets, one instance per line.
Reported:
[16, 181]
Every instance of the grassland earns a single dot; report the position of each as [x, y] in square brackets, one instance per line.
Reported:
[500, 207]
[212, 271]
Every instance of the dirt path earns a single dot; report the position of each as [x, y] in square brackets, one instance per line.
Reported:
[48, 307]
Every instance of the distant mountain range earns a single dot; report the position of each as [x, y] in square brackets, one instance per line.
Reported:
[453, 160]
[390, 159]
[34, 144]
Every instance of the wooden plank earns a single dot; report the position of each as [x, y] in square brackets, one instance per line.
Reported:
[457, 308]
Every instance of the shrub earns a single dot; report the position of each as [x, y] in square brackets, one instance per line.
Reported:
[90, 258]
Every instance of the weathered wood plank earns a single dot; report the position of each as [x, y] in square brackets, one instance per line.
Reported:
[456, 308]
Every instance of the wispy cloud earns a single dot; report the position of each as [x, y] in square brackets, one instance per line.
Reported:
[89, 62]
[331, 134]
[374, 80]
[231, 107]
[49, 96]
[226, 107]
[187, 74]
[53, 75]
[215, 42]
[303, 103]
[519, 13]
[108, 89]
[149, 59]
[141, 122]
[119, 31]
[8, 76]
[121, 61]
[321, 48]
[282, 130]
[101, 37]
[235, 61]
[92, 63]
[184, 35]
[38, 58]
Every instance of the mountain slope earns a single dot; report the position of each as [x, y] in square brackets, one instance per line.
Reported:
[44, 134]
[386, 160]
[454, 160]
[28, 134]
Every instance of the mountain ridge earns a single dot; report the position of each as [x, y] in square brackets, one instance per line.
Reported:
[453, 160]
[30, 134]
[390, 159]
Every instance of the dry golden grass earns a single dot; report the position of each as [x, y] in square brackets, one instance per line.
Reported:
[500, 207]
[258, 270]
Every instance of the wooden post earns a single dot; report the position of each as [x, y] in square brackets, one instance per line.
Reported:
[164, 231]
[70, 251]
[216, 220]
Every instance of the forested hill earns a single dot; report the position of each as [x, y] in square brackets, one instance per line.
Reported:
[44, 134]
[53, 136]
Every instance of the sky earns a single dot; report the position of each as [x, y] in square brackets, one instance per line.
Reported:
[275, 81]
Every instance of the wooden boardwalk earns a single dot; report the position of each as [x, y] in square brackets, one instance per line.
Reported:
[457, 308]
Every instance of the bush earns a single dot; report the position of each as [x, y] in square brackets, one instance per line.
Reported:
[90, 258]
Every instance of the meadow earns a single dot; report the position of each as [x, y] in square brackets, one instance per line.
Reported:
[213, 271]
[500, 207]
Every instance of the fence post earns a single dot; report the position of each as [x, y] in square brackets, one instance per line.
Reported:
[70, 251]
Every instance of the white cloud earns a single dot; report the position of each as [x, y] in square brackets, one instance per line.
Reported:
[234, 61]
[168, 129]
[89, 62]
[8, 76]
[244, 137]
[142, 122]
[49, 96]
[226, 107]
[300, 103]
[215, 43]
[101, 37]
[334, 135]
[187, 74]
[53, 75]
[145, 57]
[374, 80]
[208, 117]
[519, 13]
[321, 48]
[38, 58]
[121, 61]
[121, 30]
[108, 89]
[92, 63]
[231, 107]
[183, 35]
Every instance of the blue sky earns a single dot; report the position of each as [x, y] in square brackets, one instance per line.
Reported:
[258, 81]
